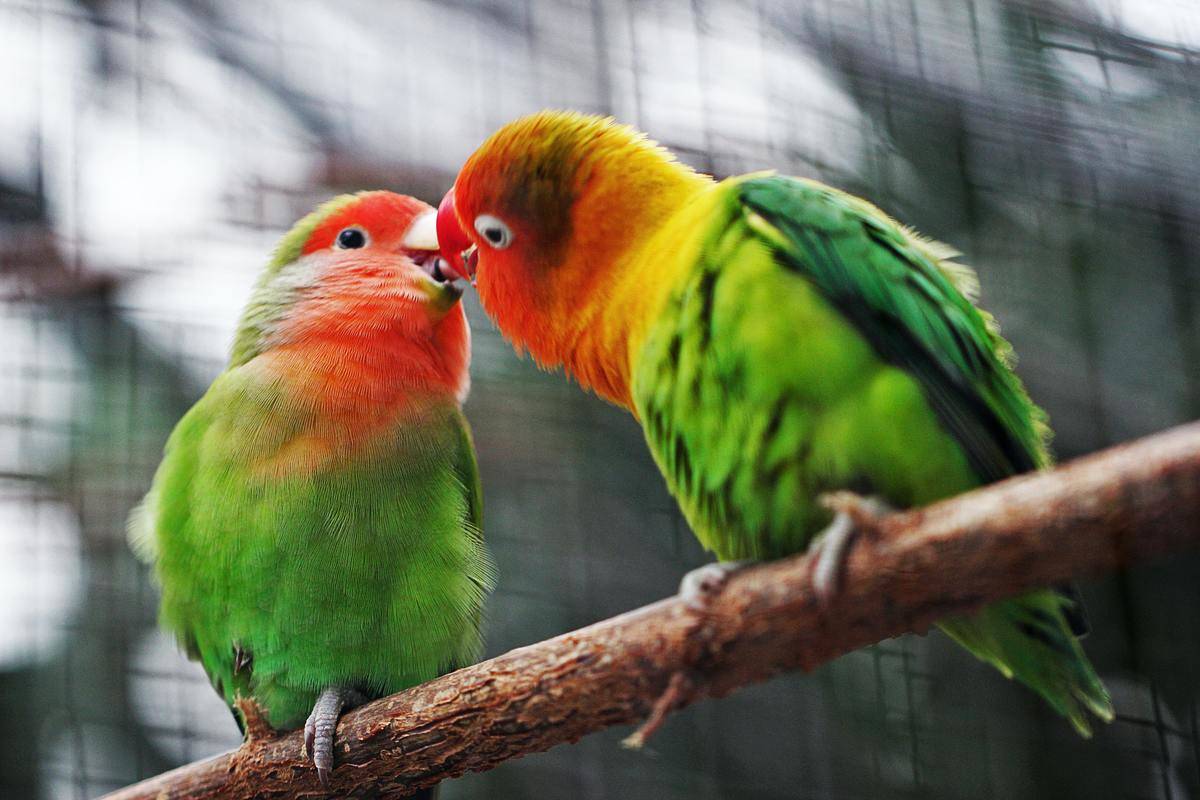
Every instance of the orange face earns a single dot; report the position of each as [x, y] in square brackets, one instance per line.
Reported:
[385, 216]
[368, 307]
[353, 322]
[371, 265]
[543, 219]
[552, 210]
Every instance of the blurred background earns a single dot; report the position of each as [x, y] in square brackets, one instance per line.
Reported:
[152, 152]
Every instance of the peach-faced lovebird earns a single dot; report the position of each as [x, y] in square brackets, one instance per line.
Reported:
[796, 358]
[315, 522]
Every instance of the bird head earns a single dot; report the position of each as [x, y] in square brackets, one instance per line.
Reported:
[359, 266]
[543, 214]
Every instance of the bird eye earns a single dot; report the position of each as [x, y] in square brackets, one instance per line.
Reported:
[493, 229]
[351, 239]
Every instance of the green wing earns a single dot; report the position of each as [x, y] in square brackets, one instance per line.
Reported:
[466, 467]
[899, 292]
[468, 472]
[815, 345]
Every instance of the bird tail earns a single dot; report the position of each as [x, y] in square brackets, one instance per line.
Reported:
[1030, 638]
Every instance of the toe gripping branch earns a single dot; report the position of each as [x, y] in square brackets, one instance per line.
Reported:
[698, 589]
[322, 723]
[855, 516]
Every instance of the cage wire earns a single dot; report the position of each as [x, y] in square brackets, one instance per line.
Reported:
[152, 153]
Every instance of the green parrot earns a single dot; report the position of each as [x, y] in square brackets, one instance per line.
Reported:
[781, 342]
[315, 523]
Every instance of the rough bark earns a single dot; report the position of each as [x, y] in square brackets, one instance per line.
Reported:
[1091, 516]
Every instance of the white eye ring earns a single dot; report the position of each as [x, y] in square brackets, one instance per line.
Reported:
[494, 231]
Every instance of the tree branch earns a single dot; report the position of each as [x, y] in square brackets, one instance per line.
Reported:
[1094, 515]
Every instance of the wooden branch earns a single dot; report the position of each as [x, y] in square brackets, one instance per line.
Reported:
[1094, 515]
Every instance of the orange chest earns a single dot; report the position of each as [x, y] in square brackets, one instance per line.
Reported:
[345, 406]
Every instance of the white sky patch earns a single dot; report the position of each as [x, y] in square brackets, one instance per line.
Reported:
[1172, 22]
[42, 389]
[1107, 75]
[143, 191]
[729, 85]
[192, 309]
[175, 703]
[45, 61]
[40, 575]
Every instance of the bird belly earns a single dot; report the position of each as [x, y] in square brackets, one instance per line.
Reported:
[367, 577]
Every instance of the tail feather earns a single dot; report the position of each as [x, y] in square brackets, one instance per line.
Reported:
[1030, 638]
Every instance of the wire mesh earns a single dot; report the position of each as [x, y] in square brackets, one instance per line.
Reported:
[152, 152]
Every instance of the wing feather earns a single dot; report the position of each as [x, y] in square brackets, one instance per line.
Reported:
[912, 305]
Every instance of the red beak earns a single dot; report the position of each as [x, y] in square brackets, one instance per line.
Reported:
[453, 240]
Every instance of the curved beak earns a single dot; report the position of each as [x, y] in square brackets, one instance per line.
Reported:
[422, 233]
[421, 243]
[456, 246]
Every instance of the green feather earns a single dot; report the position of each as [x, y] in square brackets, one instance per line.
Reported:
[278, 285]
[877, 275]
[370, 575]
[817, 345]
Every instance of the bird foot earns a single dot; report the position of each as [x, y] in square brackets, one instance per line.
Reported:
[853, 516]
[700, 586]
[697, 590]
[321, 725]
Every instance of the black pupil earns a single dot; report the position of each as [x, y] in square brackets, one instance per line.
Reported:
[351, 239]
[494, 235]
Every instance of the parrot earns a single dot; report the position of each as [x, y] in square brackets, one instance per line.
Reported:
[315, 524]
[798, 360]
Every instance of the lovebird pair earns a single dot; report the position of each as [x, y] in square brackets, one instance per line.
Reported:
[796, 358]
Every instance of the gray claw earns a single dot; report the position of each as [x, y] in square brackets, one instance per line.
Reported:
[853, 515]
[829, 555]
[321, 725]
[701, 585]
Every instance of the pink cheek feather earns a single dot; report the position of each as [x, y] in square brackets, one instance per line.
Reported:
[370, 329]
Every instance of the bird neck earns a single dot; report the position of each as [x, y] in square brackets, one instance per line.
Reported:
[338, 402]
[358, 376]
[617, 314]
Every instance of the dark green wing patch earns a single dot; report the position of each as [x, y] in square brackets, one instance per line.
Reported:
[869, 268]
